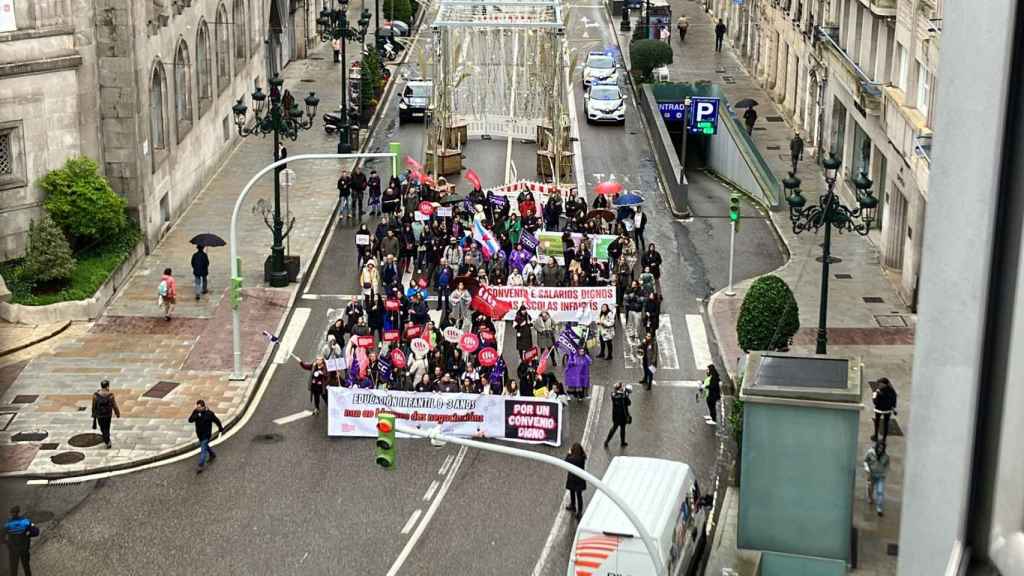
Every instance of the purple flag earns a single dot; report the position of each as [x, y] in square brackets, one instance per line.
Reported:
[529, 241]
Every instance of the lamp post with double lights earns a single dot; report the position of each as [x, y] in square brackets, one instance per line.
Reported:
[285, 119]
[830, 213]
[333, 25]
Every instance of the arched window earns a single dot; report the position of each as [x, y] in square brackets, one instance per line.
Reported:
[157, 122]
[203, 67]
[238, 26]
[222, 29]
[182, 90]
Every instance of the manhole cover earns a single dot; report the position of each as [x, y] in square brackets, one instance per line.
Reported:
[831, 259]
[49, 445]
[773, 147]
[24, 398]
[727, 78]
[40, 516]
[29, 436]
[86, 440]
[307, 80]
[268, 438]
[65, 458]
[873, 300]
[890, 321]
[162, 388]
[844, 276]
[773, 118]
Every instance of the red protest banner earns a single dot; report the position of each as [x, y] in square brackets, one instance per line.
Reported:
[488, 357]
[397, 358]
[469, 342]
[392, 305]
[531, 354]
[485, 302]
[364, 341]
[391, 335]
[412, 331]
[426, 208]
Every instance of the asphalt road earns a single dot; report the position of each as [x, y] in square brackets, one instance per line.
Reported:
[286, 499]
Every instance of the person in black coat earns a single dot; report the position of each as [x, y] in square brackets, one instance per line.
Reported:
[620, 414]
[713, 391]
[573, 483]
[200, 270]
[204, 419]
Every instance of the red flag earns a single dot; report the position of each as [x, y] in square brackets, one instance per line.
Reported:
[485, 302]
[473, 178]
[542, 366]
[412, 164]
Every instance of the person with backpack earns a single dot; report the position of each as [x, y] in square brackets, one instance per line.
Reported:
[884, 401]
[168, 293]
[18, 534]
[204, 419]
[200, 270]
[104, 408]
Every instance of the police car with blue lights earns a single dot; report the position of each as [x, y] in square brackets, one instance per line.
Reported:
[604, 103]
[599, 68]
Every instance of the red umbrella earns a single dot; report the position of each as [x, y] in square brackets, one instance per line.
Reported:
[608, 188]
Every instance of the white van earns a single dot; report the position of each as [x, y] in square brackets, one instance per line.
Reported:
[665, 496]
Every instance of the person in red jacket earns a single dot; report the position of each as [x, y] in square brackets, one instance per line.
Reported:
[168, 291]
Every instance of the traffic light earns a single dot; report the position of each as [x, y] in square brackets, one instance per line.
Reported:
[236, 292]
[734, 209]
[385, 440]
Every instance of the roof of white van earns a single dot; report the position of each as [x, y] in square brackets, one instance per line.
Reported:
[648, 485]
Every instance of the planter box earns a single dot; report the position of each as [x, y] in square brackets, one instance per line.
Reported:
[76, 310]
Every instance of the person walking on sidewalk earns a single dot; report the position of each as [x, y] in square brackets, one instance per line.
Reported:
[200, 271]
[573, 483]
[204, 419]
[104, 408]
[374, 191]
[344, 195]
[876, 464]
[683, 24]
[620, 414]
[884, 400]
[750, 118]
[336, 47]
[606, 331]
[720, 30]
[649, 350]
[168, 293]
[358, 185]
[18, 534]
[796, 149]
[712, 390]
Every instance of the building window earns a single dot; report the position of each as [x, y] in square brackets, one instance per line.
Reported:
[924, 89]
[203, 73]
[157, 122]
[223, 49]
[901, 67]
[238, 25]
[182, 90]
[12, 155]
[6, 155]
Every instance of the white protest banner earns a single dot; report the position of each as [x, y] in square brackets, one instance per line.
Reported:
[419, 346]
[444, 212]
[569, 304]
[7, 23]
[336, 364]
[452, 334]
[362, 239]
[353, 412]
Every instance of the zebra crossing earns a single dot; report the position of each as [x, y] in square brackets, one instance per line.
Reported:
[668, 359]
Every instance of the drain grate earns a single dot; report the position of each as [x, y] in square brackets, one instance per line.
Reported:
[29, 436]
[773, 147]
[844, 276]
[873, 300]
[831, 259]
[892, 549]
[85, 440]
[25, 398]
[760, 128]
[773, 118]
[49, 446]
[162, 388]
[727, 78]
[65, 458]
[307, 80]
[268, 438]
[890, 321]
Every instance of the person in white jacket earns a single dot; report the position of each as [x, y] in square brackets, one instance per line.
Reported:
[369, 280]
[460, 300]
[606, 331]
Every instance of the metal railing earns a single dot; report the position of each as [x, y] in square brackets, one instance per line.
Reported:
[867, 83]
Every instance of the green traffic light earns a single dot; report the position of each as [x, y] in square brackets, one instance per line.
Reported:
[734, 208]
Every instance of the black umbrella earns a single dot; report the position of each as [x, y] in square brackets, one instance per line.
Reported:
[745, 103]
[208, 239]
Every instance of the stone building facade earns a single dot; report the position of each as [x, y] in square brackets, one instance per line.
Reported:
[143, 86]
[857, 78]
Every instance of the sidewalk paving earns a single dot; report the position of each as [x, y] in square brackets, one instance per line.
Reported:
[158, 369]
[866, 318]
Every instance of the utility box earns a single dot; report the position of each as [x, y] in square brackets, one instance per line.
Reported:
[799, 460]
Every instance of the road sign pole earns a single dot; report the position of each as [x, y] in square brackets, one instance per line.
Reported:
[437, 438]
[732, 256]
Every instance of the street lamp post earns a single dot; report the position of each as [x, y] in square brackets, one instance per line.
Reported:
[829, 213]
[334, 26]
[283, 119]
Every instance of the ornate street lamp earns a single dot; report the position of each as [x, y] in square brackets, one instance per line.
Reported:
[333, 25]
[283, 119]
[830, 213]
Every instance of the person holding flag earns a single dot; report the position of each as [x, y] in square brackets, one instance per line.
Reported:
[484, 237]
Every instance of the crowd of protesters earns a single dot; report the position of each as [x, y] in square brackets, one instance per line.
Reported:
[427, 243]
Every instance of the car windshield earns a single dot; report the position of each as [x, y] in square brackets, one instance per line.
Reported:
[604, 93]
[417, 91]
[601, 62]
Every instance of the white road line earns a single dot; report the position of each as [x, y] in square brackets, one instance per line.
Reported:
[698, 341]
[446, 465]
[293, 417]
[596, 399]
[430, 491]
[291, 334]
[678, 383]
[457, 461]
[629, 343]
[412, 521]
[667, 357]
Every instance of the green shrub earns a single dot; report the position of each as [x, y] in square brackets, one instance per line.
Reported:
[769, 316]
[82, 203]
[646, 55]
[48, 257]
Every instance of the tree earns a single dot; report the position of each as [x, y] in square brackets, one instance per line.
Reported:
[48, 257]
[646, 55]
[82, 203]
[398, 10]
[769, 316]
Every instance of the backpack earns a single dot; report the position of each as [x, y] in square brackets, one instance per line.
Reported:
[162, 289]
[104, 405]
